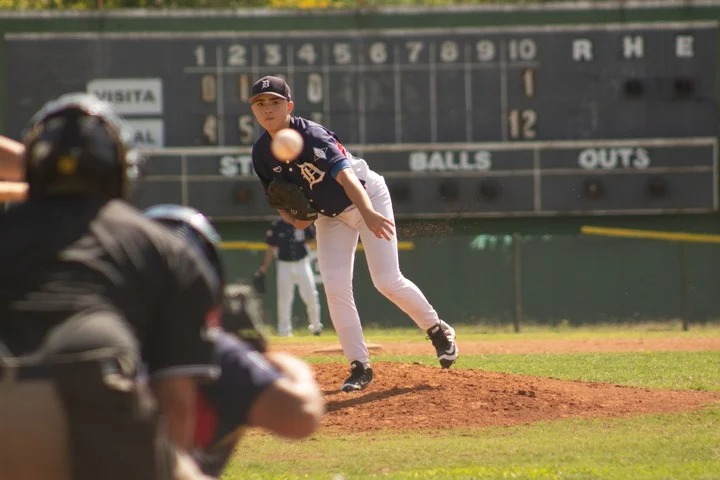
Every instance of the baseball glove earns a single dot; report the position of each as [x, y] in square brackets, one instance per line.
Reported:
[287, 196]
[242, 315]
[258, 281]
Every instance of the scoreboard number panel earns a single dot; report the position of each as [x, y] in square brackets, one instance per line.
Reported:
[631, 177]
[646, 193]
[536, 95]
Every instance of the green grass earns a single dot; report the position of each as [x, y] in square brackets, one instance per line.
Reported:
[671, 446]
[682, 446]
[671, 370]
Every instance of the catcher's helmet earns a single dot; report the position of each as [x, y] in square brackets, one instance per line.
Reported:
[193, 226]
[77, 144]
[242, 311]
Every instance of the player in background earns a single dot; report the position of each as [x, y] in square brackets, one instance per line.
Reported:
[353, 201]
[274, 391]
[91, 293]
[289, 246]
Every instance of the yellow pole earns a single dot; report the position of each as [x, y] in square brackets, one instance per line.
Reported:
[650, 234]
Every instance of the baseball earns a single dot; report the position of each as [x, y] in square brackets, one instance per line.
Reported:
[286, 145]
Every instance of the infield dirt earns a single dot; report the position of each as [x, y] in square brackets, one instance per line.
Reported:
[415, 396]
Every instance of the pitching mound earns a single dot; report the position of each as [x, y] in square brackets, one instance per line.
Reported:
[406, 396]
[411, 396]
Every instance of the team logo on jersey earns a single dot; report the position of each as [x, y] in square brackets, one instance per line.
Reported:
[319, 153]
[277, 169]
[311, 174]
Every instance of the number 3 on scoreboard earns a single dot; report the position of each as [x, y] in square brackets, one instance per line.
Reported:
[521, 124]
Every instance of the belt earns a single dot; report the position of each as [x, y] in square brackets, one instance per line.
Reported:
[292, 260]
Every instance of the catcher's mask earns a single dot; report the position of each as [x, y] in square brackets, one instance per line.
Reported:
[194, 227]
[77, 144]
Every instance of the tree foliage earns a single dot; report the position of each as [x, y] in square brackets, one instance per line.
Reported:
[229, 4]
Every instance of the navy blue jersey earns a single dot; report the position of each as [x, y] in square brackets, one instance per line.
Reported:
[289, 240]
[314, 171]
[223, 406]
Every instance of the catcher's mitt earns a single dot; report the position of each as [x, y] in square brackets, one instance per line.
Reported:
[242, 315]
[258, 281]
[287, 196]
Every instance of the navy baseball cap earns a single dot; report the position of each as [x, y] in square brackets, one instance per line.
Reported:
[270, 85]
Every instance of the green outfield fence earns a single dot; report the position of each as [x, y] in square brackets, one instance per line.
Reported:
[529, 278]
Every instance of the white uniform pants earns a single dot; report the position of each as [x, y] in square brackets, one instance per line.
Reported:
[290, 274]
[337, 239]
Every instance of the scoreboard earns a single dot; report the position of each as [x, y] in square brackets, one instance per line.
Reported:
[589, 119]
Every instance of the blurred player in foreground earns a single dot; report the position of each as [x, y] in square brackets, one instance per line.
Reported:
[288, 245]
[271, 390]
[352, 201]
[91, 292]
[11, 153]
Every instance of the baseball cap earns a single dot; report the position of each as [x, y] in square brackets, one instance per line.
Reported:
[271, 85]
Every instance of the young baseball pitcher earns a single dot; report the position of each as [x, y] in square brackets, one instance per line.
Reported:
[351, 201]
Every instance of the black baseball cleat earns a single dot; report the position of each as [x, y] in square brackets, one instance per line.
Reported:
[442, 336]
[360, 377]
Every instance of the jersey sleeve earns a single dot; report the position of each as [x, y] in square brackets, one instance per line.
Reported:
[245, 375]
[327, 150]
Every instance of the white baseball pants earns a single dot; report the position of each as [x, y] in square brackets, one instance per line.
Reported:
[337, 239]
[290, 274]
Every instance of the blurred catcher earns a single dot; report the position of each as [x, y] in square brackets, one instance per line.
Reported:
[271, 390]
[103, 295]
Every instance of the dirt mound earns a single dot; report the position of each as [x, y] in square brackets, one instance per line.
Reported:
[407, 396]
[414, 396]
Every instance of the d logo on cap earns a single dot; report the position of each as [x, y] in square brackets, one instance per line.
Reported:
[270, 85]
